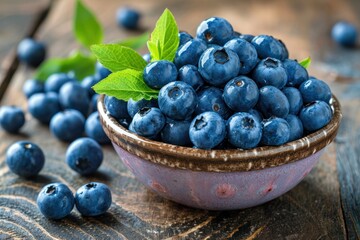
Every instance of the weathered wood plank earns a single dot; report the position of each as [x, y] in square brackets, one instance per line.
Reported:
[312, 210]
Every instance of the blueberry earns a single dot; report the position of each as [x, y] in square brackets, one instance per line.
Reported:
[276, 131]
[295, 99]
[102, 71]
[116, 107]
[67, 125]
[344, 33]
[210, 99]
[88, 82]
[55, 81]
[55, 201]
[84, 156]
[93, 103]
[25, 158]
[93, 199]
[128, 18]
[159, 73]
[31, 52]
[296, 127]
[267, 46]
[285, 52]
[270, 71]
[184, 37]
[177, 100]
[32, 86]
[94, 129]
[147, 57]
[315, 89]
[148, 122]
[207, 130]
[244, 130]
[215, 30]
[73, 96]
[176, 132]
[241, 94]
[247, 37]
[134, 106]
[296, 74]
[189, 53]
[12, 118]
[43, 106]
[273, 102]
[315, 115]
[190, 75]
[246, 52]
[219, 65]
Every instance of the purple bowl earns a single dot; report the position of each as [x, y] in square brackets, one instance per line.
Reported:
[219, 179]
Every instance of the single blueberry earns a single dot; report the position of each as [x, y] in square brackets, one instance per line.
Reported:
[276, 131]
[93, 103]
[32, 86]
[176, 132]
[215, 30]
[270, 71]
[43, 106]
[25, 158]
[177, 100]
[159, 73]
[189, 53]
[88, 82]
[148, 122]
[134, 106]
[244, 130]
[247, 37]
[74, 96]
[246, 52]
[344, 33]
[84, 156]
[315, 115]
[128, 18]
[268, 46]
[55, 81]
[295, 99]
[219, 65]
[184, 37]
[55, 201]
[12, 118]
[241, 94]
[296, 74]
[315, 89]
[31, 52]
[93, 199]
[102, 71]
[67, 125]
[116, 107]
[190, 75]
[211, 99]
[273, 102]
[207, 130]
[94, 129]
[296, 127]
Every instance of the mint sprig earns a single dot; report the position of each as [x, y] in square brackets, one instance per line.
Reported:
[86, 27]
[164, 40]
[305, 62]
[126, 84]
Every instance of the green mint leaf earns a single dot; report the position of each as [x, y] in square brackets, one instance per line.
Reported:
[164, 40]
[86, 27]
[135, 42]
[117, 58]
[305, 62]
[78, 63]
[126, 84]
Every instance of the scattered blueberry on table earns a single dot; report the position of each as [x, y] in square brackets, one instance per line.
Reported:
[31, 52]
[345, 34]
[12, 118]
[128, 18]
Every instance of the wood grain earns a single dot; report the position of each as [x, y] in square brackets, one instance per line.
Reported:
[312, 210]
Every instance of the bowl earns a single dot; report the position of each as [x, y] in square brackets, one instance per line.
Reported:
[219, 179]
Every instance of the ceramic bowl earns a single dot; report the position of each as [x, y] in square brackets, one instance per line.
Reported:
[219, 179]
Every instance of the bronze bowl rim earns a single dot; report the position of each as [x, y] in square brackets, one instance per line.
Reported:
[230, 160]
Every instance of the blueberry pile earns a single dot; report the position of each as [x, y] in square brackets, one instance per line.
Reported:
[227, 90]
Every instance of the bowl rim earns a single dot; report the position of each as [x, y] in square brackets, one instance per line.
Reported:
[228, 160]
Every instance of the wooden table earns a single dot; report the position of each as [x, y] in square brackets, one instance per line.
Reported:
[325, 205]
